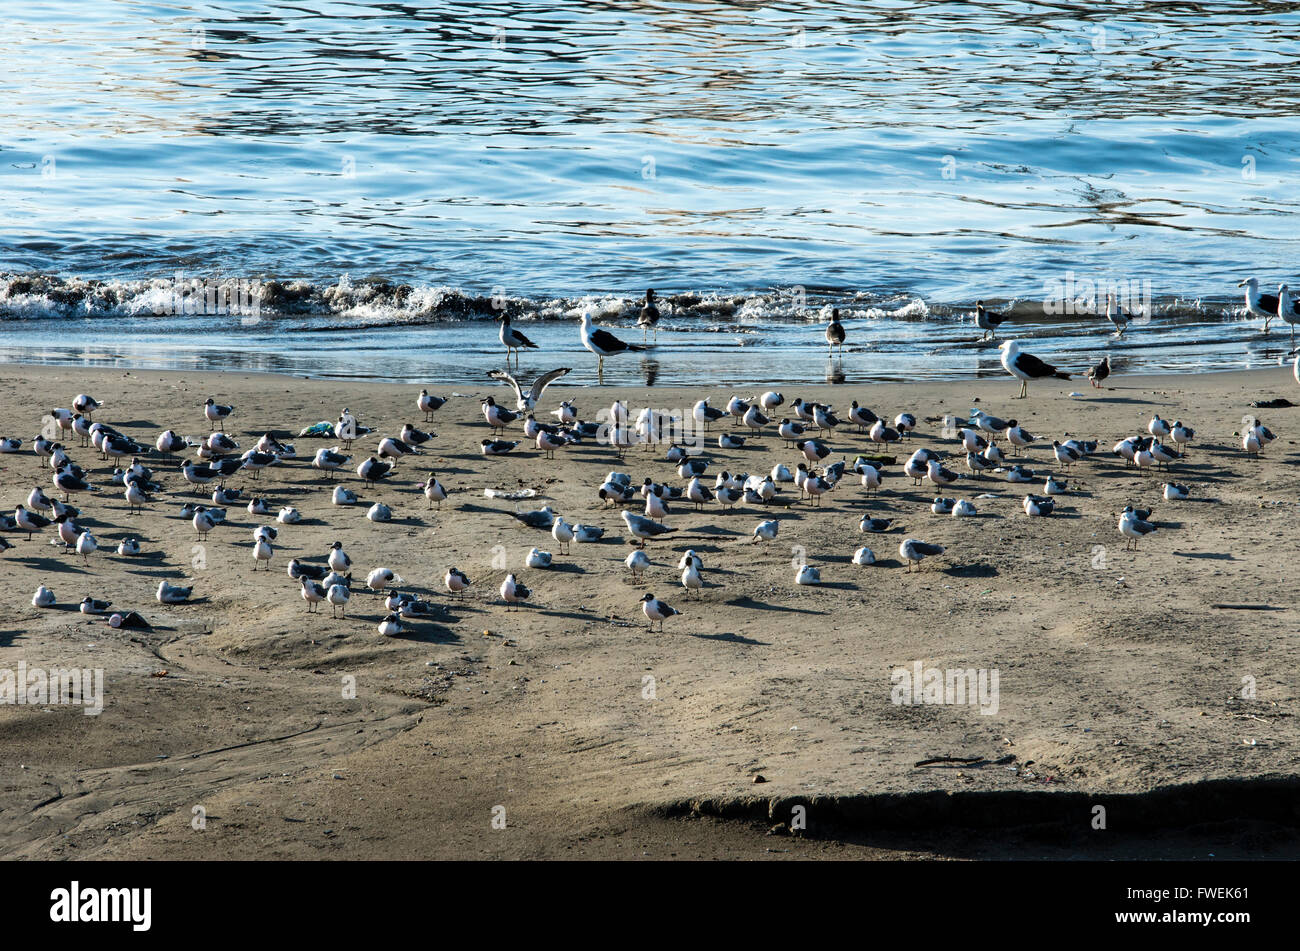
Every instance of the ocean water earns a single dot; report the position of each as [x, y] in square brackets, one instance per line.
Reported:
[388, 177]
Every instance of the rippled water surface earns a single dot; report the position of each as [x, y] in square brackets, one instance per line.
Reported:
[897, 159]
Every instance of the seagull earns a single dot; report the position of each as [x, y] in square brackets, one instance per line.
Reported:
[913, 551]
[330, 461]
[514, 592]
[379, 512]
[538, 559]
[601, 342]
[128, 547]
[766, 530]
[963, 509]
[43, 598]
[1065, 455]
[1133, 528]
[526, 401]
[90, 606]
[262, 551]
[288, 515]
[771, 400]
[755, 420]
[390, 448]
[297, 570]
[457, 582]
[835, 335]
[814, 450]
[637, 562]
[512, 339]
[372, 470]
[338, 596]
[1115, 314]
[1287, 310]
[30, 522]
[644, 528]
[649, 317]
[313, 592]
[939, 475]
[434, 491]
[1039, 505]
[215, 413]
[1176, 493]
[876, 526]
[342, 496]
[381, 579]
[905, 423]
[807, 575]
[1099, 372]
[1025, 366]
[542, 518]
[987, 320]
[1053, 486]
[1181, 435]
[880, 433]
[172, 593]
[428, 405]
[656, 610]
[790, 431]
[391, 626]
[1260, 305]
[86, 405]
[861, 417]
[728, 441]
[1158, 427]
[864, 556]
[942, 506]
[496, 447]
[586, 534]
[413, 436]
[1020, 474]
[705, 414]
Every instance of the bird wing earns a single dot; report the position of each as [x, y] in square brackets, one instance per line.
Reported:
[1031, 365]
[542, 382]
[503, 377]
[607, 341]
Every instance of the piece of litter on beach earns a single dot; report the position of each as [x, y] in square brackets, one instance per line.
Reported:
[1076, 394]
[510, 496]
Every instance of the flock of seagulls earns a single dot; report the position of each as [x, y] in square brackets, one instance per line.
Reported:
[868, 446]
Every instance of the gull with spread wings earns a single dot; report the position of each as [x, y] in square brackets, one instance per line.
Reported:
[527, 401]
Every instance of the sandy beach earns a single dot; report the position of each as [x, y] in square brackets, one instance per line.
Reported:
[564, 728]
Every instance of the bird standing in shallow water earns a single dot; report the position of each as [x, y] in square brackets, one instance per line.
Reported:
[512, 339]
[835, 335]
[649, 317]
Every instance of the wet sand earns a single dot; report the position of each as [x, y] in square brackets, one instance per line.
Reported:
[1119, 672]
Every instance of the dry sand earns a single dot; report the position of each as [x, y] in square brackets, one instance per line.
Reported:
[1117, 673]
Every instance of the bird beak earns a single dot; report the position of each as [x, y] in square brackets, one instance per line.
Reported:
[1244, 283]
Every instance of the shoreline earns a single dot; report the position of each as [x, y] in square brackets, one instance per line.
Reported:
[1119, 679]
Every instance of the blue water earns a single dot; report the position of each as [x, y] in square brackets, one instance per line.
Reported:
[897, 159]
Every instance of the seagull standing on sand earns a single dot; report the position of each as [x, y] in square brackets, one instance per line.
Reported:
[601, 342]
[914, 550]
[526, 401]
[428, 405]
[1099, 372]
[1133, 528]
[644, 528]
[514, 592]
[1025, 366]
[656, 610]
[216, 413]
